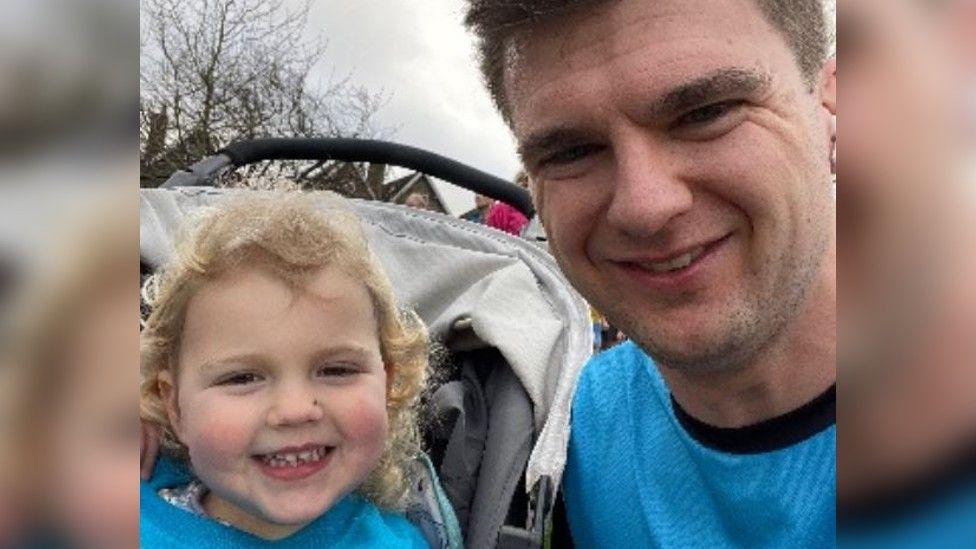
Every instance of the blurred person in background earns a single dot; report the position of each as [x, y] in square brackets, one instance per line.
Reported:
[611, 335]
[68, 328]
[505, 217]
[907, 307]
[417, 201]
[482, 205]
[596, 324]
[70, 362]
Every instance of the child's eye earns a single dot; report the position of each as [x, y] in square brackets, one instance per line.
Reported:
[336, 370]
[242, 378]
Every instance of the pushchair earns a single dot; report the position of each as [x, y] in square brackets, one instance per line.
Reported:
[516, 332]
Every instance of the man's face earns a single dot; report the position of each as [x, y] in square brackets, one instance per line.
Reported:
[682, 166]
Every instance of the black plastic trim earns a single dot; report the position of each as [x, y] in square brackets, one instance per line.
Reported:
[382, 152]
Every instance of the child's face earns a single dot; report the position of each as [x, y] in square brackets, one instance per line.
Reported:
[281, 396]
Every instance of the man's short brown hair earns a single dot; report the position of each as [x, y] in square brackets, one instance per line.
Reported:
[496, 22]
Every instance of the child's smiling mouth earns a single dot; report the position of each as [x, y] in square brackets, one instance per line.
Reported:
[294, 463]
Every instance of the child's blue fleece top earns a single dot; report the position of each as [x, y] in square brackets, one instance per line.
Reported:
[642, 473]
[352, 522]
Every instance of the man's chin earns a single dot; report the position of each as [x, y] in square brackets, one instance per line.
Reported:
[697, 360]
[700, 350]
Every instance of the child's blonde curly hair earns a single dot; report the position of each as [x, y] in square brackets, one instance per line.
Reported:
[295, 234]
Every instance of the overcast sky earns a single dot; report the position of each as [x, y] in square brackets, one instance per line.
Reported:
[418, 53]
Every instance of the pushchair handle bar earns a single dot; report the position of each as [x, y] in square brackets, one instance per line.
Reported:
[355, 150]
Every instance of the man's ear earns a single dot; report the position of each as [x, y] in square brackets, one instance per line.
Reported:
[828, 86]
[828, 100]
[167, 390]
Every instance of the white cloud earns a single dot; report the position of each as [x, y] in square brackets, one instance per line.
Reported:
[420, 54]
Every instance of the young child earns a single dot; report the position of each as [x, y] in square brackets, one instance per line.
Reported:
[285, 381]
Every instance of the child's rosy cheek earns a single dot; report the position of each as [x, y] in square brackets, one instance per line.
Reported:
[366, 420]
[218, 440]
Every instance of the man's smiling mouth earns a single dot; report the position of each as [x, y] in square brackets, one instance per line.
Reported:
[676, 270]
[677, 260]
[675, 263]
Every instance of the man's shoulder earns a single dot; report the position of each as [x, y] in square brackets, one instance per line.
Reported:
[606, 368]
[610, 378]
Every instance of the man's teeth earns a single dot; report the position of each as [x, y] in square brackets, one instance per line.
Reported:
[679, 262]
[294, 459]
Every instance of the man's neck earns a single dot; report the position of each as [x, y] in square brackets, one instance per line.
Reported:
[793, 369]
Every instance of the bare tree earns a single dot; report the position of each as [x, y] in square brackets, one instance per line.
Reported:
[217, 71]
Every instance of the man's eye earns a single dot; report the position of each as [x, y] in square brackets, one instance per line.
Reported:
[244, 378]
[707, 114]
[569, 155]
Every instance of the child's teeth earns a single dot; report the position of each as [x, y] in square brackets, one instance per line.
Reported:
[294, 459]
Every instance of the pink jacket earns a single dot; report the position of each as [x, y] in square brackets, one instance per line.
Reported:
[506, 218]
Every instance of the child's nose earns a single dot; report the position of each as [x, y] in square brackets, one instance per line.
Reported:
[294, 408]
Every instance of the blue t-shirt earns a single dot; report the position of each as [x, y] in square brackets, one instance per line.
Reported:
[637, 477]
[352, 522]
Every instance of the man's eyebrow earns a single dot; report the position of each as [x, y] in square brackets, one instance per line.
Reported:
[721, 83]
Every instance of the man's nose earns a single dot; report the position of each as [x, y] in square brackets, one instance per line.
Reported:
[647, 190]
[294, 406]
